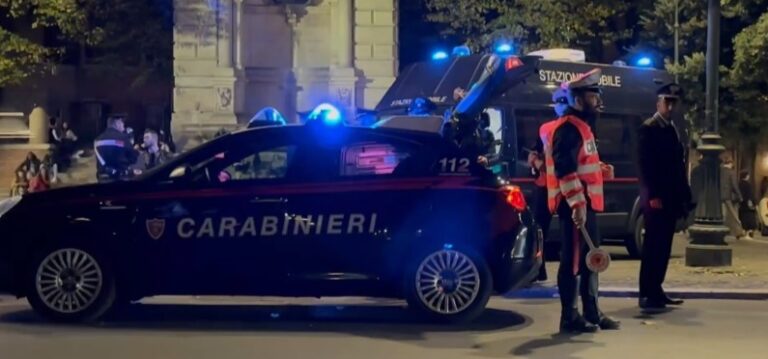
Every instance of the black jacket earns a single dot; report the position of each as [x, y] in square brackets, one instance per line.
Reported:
[114, 151]
[662, 169]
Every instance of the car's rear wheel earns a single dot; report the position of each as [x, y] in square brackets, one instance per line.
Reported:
[449, 285]
[70, 284]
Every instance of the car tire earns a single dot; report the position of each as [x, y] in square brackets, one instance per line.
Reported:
[461, 272]
[634, 242]
[70, 284]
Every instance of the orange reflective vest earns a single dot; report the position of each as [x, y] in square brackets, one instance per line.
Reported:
[589, 170]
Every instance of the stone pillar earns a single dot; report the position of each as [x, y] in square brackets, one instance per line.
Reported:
[343, 80]
[38, 126]
[375, 49]
[207, 93]
[238, 34]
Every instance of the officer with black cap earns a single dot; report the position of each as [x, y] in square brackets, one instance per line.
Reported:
[665, 195]
[574, 176]
[114, 151]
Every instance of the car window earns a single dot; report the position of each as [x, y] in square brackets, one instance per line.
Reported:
[269, 163]
[371, 158]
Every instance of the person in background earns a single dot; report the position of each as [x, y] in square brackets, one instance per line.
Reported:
[151, 153]
[51, 167]
[538, 170]
[665, 195]
[41, 181]
[114, 151]
[20, 185]
[747, 210]
[30, 164]
[731, 197]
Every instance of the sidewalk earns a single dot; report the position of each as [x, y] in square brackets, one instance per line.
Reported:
[747, 278]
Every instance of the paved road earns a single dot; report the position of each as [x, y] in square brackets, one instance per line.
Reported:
[353, 328]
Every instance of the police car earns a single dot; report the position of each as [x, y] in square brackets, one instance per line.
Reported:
[296, 210]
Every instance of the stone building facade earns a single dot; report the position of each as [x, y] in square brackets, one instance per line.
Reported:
[234, 57]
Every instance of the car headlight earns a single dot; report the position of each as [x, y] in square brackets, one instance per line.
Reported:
[7, 204]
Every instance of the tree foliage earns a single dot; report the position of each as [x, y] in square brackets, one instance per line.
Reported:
[120, 32]
[532, 24]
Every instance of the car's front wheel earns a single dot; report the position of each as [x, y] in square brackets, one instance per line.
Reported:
[449, 285]
[70, 284]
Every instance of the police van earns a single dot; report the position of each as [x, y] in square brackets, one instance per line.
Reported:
[298, 210]
[517, 112]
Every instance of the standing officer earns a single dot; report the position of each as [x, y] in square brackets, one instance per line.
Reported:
[664, 194]
[114, 151]
[536, 161]
[575, 188]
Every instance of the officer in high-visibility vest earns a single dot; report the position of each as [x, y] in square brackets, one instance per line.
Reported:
[574, 177]
[538, 169]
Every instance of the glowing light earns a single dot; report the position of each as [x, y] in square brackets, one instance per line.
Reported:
[326, 112]
[644, 61]
[448, 246]
[440, 55]
[504, 48]
[462, 50]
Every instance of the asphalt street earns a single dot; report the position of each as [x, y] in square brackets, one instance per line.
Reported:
[367, 329]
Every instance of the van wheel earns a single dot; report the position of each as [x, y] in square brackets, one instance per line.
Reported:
[634, 243]
[449, 286]
[70, 284]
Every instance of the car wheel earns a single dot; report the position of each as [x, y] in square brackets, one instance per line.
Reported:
[451, 286]
[70, 284]
[634, 243]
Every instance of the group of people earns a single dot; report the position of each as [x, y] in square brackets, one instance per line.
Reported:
[119, 158]
[34, 175]
[569, 179]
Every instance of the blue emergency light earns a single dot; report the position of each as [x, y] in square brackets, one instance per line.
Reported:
[644, 61]
[329, 114]
[504, 48]
[439, 55]
[462, 50]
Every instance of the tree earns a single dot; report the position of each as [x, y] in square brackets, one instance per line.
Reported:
[22, 57]
[124, 32]
[738, 17]
[536, 24]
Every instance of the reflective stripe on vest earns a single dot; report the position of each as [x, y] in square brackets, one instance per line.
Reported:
[105, 143]
[589, 171]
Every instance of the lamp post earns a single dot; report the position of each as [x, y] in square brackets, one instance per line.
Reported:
[707, 247]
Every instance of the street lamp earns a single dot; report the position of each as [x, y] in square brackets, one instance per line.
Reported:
[707, 247]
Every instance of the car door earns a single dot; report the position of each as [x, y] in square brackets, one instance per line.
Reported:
[359, 210]
[214, 231]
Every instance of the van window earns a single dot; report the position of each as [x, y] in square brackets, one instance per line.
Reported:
[528, 123]
[617, 142]
[616, 139]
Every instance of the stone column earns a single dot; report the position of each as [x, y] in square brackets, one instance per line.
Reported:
[343, 79]
[238, 34]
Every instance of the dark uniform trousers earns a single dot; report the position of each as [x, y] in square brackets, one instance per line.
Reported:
[543, 218]
[657, 246]
[585, 282]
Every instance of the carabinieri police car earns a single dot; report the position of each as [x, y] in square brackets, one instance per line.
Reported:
[296, 210]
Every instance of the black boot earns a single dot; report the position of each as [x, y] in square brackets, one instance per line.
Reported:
[578, 325]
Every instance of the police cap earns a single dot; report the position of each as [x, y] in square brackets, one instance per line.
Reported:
[588, 81]
[671, 91]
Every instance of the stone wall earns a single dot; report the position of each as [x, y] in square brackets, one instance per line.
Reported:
[234, 57]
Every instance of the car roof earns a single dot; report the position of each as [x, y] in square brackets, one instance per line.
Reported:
[302, 130]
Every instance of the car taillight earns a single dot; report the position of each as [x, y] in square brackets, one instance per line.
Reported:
[514, 197]
[512, 62]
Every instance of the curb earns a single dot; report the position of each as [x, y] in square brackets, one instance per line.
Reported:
[619, 292]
